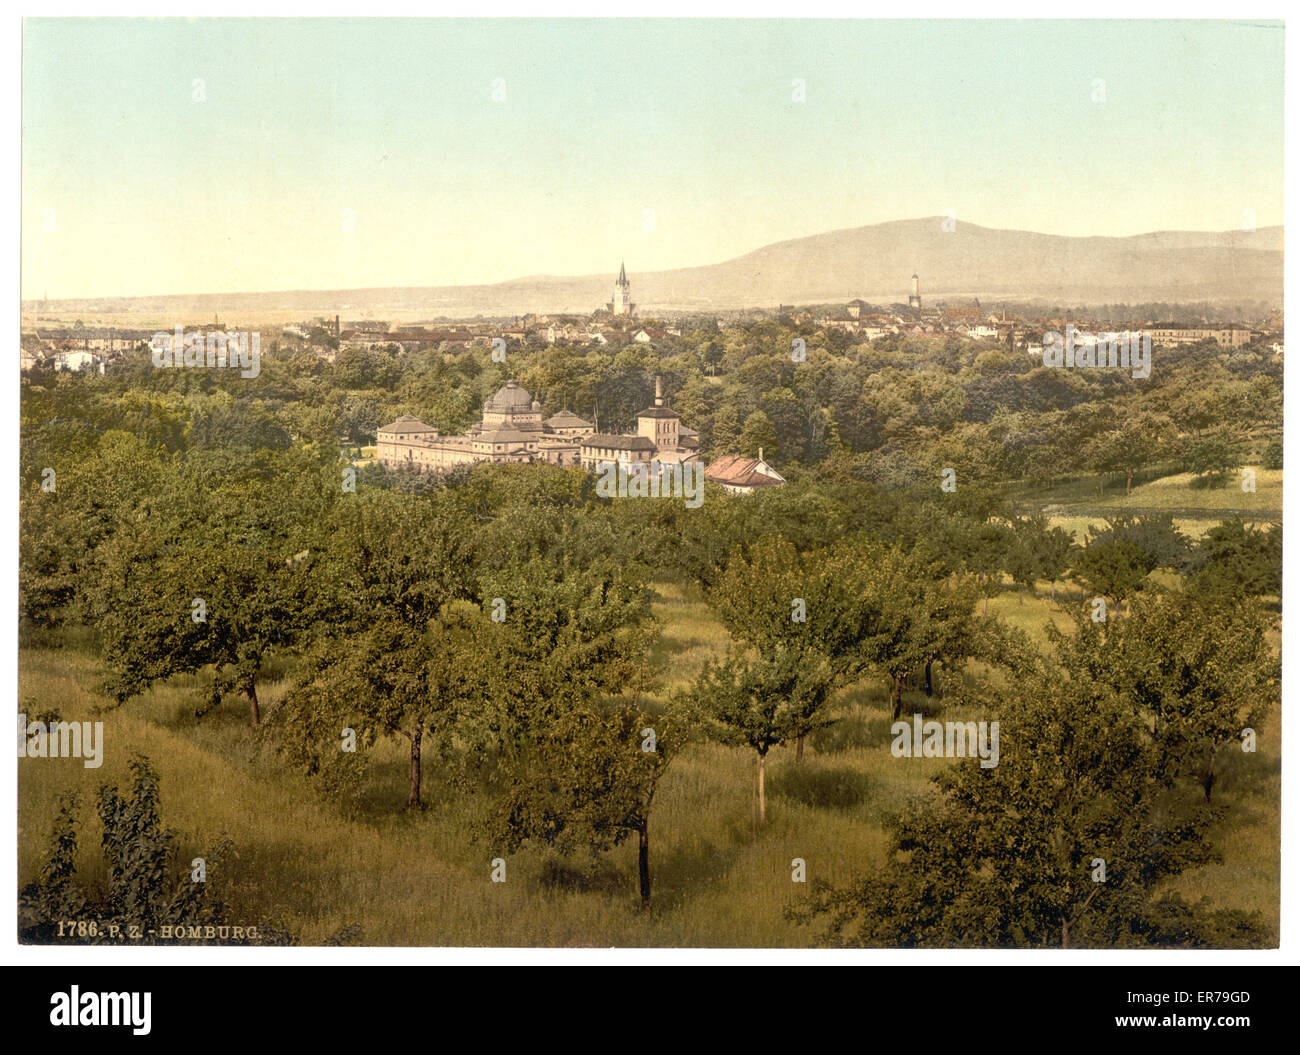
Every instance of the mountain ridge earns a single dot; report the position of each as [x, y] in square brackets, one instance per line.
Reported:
[873, 262]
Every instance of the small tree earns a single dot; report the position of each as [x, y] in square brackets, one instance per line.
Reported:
[590, 783]
[1055, 549]
[1062, 844]
[1239, 559]
[761, 702]
[144, 889]
[1198, 668]
[1115, 570]
[1210, 460]
[392, 680]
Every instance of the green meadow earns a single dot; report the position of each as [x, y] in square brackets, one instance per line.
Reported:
[1076, 504]
[378, 875]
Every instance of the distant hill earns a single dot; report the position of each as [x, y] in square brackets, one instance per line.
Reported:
[875, 263]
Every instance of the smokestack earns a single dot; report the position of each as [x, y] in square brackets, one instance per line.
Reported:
[916, 286]
[337, 331]
[659, 390]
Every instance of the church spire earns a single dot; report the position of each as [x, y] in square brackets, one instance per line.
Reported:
[622, 274]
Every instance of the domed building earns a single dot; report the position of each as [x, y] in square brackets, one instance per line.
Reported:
[512, 431]
[512, 408]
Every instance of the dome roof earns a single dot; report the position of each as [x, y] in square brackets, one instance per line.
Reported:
[510, 397]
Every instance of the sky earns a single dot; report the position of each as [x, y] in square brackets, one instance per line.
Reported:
[237, 155]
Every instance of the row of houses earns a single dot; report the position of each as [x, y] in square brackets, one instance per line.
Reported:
[455, 339]
[974, 323]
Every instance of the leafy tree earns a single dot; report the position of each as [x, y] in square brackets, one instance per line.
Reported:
[1022, 563]
[572, 631]
[1141, 440]
[590, 783]
[988, 554]
[1055, 549]
[1161, 543]
[1237, 559]
[1114, 570]
[1211, 460]
[1009, 856]
[393, 679]
[780, 602]
[760, 703]
[210, 579]
[1198, 669]
[758, 435]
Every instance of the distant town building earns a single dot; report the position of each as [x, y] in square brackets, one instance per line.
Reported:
[659, 438]
[512, 431]
[1228, 336]
[741, 476]
[914, 299]
[621, 303]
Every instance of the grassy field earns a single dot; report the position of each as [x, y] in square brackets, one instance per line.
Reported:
[384, 876]
[1076, 503]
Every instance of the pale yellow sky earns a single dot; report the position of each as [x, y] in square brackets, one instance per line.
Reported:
[170, 156]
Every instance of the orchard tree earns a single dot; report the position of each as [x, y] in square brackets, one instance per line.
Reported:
[1115, 570]
[911, 614]
[393, 679]
[782, 603]
[1241, 560]
[1062, 844]
[1210, 460]
[760, 703]
[1141, 440]
[209, 576]
[1055, 548]
[589, 784]
[572, 630]
[1197, 669]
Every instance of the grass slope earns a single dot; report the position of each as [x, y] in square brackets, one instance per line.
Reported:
[395, 878]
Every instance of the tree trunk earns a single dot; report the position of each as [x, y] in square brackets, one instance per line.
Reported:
[253, 709]
[986, 604]
[762, 792]
[643, 861]
[1053, 591]
[1065, 933]
[413, 798]
[1128, 482]
[929, 684]
[798, 749]
[1208, 782]
[896, 696]
[218, 688]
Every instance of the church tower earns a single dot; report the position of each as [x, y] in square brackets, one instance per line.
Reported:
[914, 301]
[622, 302]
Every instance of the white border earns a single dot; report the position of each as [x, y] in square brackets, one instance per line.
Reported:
[62, 955]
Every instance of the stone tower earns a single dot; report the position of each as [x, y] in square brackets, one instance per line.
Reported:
[622, 302]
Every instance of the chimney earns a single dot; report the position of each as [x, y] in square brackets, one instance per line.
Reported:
[760, 454]
[659, 390]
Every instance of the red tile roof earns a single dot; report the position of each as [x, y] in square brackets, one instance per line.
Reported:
[738, 471]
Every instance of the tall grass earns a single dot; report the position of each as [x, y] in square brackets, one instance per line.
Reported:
[397, 878]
